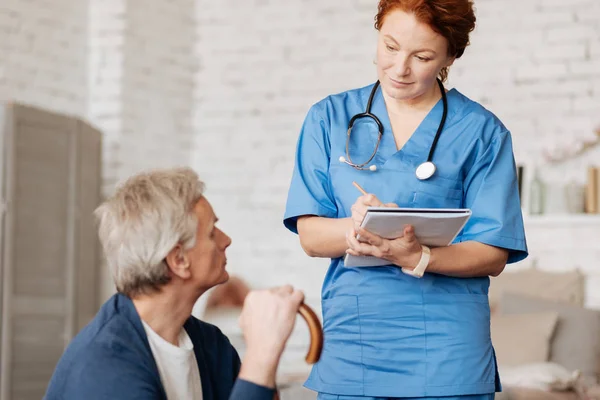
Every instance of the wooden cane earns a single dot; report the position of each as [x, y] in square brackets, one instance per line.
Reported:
[316, 337]
[316, 333]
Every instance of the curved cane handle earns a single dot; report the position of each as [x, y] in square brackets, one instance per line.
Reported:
[316, 333]
[316, 337]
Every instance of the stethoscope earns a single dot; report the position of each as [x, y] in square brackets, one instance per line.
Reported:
[426, 169]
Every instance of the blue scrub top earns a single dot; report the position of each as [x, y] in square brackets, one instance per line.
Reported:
[386, 333]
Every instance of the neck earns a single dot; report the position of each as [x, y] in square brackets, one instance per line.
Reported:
[421, 103]
[165, 312]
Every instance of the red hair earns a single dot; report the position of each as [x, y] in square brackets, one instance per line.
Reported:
[453, 19]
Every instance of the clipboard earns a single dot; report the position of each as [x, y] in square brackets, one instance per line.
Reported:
[434, 227]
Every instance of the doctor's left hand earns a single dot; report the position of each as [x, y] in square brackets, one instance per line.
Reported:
[404, 251]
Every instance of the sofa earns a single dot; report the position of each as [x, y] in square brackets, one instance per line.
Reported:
[547, 343]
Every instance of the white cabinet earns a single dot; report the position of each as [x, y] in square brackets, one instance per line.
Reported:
[50, 174]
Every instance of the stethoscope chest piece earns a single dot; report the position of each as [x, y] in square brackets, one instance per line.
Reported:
[425, 170]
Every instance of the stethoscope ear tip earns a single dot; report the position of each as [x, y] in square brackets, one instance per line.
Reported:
[342, 159]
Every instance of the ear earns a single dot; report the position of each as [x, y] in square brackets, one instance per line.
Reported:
[450, 61]
[178, 262]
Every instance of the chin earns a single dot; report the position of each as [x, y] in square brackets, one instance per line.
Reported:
[224, 277]
[404, 94]
[399, 93]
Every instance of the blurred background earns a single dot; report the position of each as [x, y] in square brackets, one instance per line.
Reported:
[92, 91]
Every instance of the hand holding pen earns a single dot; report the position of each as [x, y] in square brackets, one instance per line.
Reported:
[359, 208]
[404, 251]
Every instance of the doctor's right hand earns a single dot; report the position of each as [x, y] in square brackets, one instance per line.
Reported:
[359, 208]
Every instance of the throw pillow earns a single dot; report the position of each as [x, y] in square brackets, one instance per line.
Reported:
[576, 343]
[523, 338]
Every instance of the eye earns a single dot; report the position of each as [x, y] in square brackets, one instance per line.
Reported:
[424, 59]
[389, 48]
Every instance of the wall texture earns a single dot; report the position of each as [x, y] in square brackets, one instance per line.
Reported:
[224, 85]
[142, 76]
[43, 53]
[535, 63]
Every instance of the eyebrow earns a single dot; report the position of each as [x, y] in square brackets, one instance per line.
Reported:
[415, 51]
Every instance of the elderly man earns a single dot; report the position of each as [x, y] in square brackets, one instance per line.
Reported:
[164, 249]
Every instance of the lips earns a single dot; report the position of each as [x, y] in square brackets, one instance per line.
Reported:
[400, 83]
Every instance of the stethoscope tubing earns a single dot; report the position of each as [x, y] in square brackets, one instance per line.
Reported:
[368, 114]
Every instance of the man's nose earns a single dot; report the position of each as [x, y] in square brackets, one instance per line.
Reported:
[226, 240]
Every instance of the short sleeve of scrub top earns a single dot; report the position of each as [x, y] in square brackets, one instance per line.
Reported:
[310, 192]
[491, 192]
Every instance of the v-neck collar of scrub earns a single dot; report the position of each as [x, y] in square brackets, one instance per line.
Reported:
[418, 145]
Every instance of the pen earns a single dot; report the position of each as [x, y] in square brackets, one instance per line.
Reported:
[359, 188]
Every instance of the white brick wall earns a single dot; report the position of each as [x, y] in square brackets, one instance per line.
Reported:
[43, 57]
[535, 63]
[263, 65]
[142, 83]
[107, 24]
[158, 85]
[125, 65]
[256, 68]
[558, 243]
[142, 74]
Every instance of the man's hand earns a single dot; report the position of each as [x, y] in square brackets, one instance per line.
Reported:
[267, 320]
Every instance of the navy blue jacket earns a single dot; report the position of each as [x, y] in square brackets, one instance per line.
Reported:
[111, 359]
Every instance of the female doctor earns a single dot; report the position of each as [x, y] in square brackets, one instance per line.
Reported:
[420, 326]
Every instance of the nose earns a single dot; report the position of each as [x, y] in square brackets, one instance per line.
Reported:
[226, 240]
[402, 67]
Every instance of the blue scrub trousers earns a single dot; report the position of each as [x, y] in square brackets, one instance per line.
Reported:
[326, 396]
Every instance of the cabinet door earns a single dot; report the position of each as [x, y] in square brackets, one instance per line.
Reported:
[5, 137]
[88, 254]
[39, 280]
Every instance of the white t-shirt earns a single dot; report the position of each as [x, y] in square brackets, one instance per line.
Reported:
[177, 365]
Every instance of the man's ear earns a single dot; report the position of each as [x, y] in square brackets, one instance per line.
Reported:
[178, 262]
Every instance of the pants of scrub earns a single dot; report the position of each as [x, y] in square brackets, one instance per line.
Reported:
[325, 396]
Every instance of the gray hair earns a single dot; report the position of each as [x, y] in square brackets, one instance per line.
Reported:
[149, 214]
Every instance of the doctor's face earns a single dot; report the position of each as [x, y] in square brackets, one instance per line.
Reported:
[410, 55]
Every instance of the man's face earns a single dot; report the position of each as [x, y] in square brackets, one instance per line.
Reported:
[207, 257]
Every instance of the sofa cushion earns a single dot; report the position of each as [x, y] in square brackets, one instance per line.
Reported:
[544, 376]
[522, 338]
[576, 343]
[518, 393]
[559, 286]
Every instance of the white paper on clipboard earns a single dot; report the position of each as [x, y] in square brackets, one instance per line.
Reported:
[434, 227]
